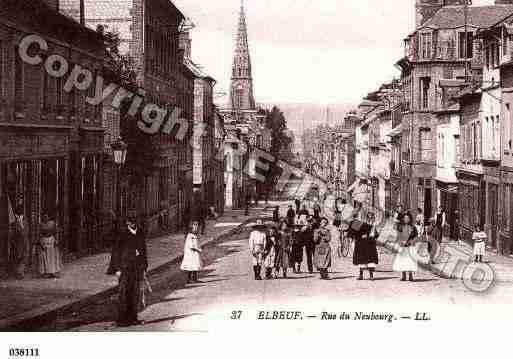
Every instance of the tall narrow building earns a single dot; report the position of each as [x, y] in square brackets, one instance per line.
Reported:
[241, 89]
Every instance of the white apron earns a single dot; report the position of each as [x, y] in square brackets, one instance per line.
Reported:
[191, 259]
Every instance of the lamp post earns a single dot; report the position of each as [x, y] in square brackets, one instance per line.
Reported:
[119, 151]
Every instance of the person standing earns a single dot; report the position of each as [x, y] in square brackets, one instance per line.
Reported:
[297, 202]
[406, 259]
[297, 244]
[398, 217]
[133, 266]
[191, 262]
[317, 210]
[20, 245]
[323, 249]
[440, 221]
[276, 214]
[283, 248]
[257, 243]
[49, 255]
[291, 216]
[479, 237]
[420, 222]
[309, 243]
[456, 227]
[270, 253]
[365, 253]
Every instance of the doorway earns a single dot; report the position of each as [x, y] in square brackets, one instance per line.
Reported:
[493, 201]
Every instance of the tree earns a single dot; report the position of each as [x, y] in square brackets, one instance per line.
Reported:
[142, 147]
[276, 122]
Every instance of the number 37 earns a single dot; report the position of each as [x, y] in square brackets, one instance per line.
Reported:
[236, 314]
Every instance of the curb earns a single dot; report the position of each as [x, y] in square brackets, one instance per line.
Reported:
[38, 317]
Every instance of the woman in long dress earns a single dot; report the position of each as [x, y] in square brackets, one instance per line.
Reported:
[365, 254]
[406, 259]
[49, 255]
[283, 249]
[192, 254]
[322, 238]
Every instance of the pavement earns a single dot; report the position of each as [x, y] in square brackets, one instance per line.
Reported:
[455, 260]
[228, 299]
[25, 303]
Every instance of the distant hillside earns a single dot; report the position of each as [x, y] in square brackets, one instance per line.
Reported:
[310, 115]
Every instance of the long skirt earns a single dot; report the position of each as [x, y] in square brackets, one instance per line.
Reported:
[405, 260]
[130, 293]
[479, 248]
[49, 256]
[323, 256]
[282, 259]
[297, 252]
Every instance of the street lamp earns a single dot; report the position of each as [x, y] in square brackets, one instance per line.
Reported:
[119, 150]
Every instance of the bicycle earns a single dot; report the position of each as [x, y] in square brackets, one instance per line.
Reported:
[346, 245]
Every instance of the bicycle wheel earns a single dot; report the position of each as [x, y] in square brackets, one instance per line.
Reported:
[346, 247]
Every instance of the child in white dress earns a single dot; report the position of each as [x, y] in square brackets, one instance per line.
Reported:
[191, 254]
[479, 237]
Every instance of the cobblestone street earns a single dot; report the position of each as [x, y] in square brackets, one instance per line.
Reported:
[227, 286]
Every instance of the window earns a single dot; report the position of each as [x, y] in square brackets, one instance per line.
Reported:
[426, 45]
[239, 103]
[1, 69]
[19, 79]
[509, 131]
[44, 90]
[505, 41]
[425, 83]
[425, 145]
[466, 47]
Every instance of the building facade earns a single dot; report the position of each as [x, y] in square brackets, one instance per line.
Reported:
[51, 140]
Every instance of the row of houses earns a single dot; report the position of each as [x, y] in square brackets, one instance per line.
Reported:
[328, 154]
[441, 135]
[56, 153]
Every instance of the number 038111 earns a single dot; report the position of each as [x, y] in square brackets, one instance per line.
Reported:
[23, 352]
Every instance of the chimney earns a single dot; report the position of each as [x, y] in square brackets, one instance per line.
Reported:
[54, 4]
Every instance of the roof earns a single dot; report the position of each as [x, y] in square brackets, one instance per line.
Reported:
[450, 17]
[36, 14]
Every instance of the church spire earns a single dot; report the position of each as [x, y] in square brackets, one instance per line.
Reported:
[241, 90]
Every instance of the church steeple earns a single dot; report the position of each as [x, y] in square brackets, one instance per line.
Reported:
[241, 89]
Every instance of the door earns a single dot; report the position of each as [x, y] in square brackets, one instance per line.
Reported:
[427, 203]
[493, 201]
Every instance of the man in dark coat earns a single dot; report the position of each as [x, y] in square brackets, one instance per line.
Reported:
[133, 265]
[297, 202]
[291, 216]
[365, 251]
[309, 243]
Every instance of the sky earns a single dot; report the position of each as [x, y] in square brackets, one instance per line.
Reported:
[304, 51]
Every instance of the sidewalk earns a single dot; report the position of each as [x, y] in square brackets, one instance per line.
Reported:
[84, 280]
[454, 260]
